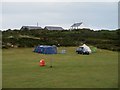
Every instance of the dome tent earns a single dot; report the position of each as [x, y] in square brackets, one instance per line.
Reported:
[93, 49]
[46, 49]
[86, 48]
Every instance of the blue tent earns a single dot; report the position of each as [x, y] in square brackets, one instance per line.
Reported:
[46, 49]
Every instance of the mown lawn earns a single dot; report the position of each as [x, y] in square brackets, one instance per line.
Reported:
[21, 69]
[0, 68]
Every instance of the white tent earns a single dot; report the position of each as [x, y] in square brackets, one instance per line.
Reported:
[86, 48]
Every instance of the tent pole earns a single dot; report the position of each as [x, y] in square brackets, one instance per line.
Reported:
[50, 63]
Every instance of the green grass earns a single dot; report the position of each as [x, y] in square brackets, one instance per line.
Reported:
[0, 68]
[21, 69]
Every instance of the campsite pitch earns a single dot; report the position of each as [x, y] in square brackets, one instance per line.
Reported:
[70, 70]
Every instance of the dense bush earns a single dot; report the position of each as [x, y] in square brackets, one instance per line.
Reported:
[104, 39]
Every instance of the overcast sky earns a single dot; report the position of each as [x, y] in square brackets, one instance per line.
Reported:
[95, 15]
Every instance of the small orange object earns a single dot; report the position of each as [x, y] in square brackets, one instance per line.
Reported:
[42, 62]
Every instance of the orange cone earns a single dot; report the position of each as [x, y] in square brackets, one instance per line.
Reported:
[42, 62]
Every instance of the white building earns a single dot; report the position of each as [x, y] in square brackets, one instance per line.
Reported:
[53, 28]
[30, 27]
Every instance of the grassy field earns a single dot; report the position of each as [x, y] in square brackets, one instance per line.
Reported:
[21, 69]
[0, 68]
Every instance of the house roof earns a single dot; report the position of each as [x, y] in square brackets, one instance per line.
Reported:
[31, 27]
[53, 28]
[76, 24]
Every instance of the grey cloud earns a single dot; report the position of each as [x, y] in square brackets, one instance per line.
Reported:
[100, 15]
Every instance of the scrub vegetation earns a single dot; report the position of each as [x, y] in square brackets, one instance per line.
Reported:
[103, 39]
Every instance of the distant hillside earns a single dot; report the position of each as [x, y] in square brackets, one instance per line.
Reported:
[104, 39]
